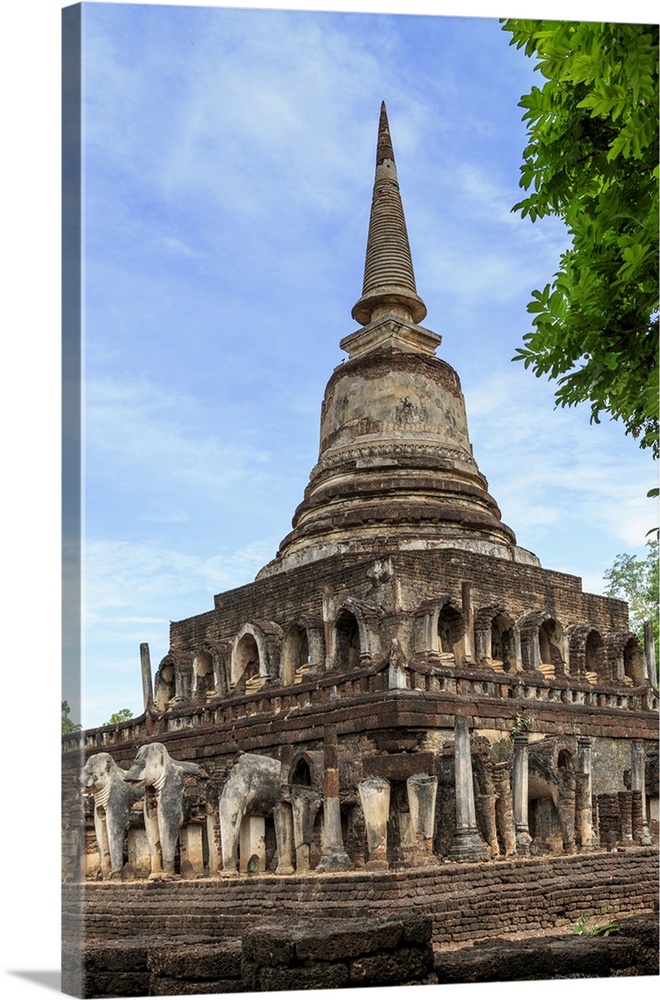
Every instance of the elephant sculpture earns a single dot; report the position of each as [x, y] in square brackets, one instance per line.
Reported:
[252, 787]
[102, 778]
[163, 780]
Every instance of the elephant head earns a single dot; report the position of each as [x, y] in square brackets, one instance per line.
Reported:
[98, 772]
[149, 767]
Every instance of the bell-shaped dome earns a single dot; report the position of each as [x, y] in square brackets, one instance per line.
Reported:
[395, 468]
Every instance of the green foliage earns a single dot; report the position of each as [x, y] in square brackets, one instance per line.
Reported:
[595, 926]
[637, 581]
[123, 715]
[522, 724]
[592, 161]
[67, 725]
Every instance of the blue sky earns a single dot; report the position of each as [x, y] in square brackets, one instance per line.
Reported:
[228, 165]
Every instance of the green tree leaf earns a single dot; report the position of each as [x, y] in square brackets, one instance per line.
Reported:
[636, 581]
[123, 715]
[592, 160]
[68, 726]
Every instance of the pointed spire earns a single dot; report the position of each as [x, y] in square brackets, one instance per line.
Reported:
[389, 281]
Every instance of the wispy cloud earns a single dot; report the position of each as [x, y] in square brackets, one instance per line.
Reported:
[279, 89]
[152, 578]
[156, 430]
[174, 247]
[171, 517]
[552, 467]
[131, 591]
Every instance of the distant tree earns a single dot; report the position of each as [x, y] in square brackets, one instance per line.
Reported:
[67, 725]
[592, 161]
[123, 715]
[636, 581]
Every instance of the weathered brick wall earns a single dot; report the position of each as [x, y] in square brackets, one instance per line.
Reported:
[370, 723]
[465, 901]
[289, 596]
[353, 953]
[360, 703]
[516, 586]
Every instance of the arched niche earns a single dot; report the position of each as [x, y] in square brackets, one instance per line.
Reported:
[203, 675]
[497, 640]
[164, 684]
[295, 654]
[171, 683]
[503, 643]
[451, 633]
[594, 656]
[306, 792]
[306, 770]
[249, 658]
[347, 640]
[625, 658]
[551, 646]
[542, 642]
[301, 774]
[586, 653]
[634, 662]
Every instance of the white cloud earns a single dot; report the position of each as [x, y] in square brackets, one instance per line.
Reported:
[476, 250]
[131, 591]
[551, 467]
[174, 247]
[165, 517]
[486, 197]
[157, 431]
[251, 101]
[153, 579]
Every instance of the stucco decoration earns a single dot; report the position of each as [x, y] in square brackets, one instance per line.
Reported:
[253, 788]
[102, 778]
[163, 780]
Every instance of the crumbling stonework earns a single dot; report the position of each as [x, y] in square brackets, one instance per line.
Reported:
[394, 952]
[465, 903]
[468, 901]
[631, 951]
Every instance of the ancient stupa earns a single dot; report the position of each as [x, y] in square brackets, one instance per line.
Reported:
[395, 470]
[400, 640]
